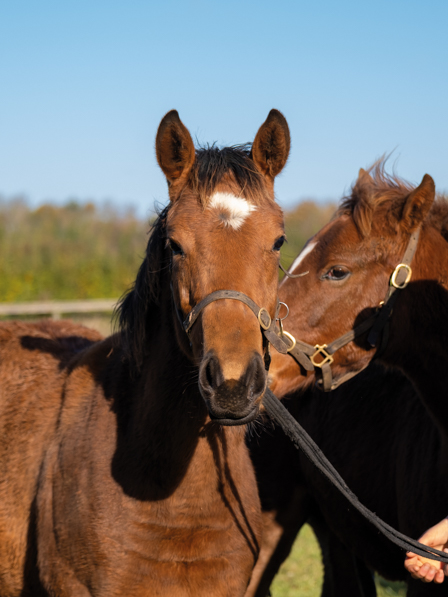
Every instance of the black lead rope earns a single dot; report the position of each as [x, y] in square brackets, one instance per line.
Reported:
[303, 441]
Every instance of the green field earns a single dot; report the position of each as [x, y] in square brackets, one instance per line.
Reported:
[301, 574]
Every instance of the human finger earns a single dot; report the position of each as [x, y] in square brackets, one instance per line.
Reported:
[439, 577]
[427, 573]
[412, 564]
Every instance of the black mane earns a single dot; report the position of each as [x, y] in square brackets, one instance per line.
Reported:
[133, 308]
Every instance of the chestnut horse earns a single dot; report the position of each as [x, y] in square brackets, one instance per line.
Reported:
[117, 477]
[351, 264]
[388, 442]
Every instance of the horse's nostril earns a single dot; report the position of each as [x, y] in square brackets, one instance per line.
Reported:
[255, 377]
[209, 374]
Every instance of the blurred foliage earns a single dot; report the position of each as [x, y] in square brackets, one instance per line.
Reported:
[76, 251]
[81, 251]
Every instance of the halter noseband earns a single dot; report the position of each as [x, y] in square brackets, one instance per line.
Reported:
[320, 356]
[267, 324]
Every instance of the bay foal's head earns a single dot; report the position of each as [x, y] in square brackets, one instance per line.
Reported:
[350, 263]
[223, 231]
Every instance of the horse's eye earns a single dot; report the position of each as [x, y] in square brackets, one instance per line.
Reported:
[176, 249]
[338, 272]
[279, 243]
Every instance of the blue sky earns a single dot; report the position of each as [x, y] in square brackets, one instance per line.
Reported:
[83, 86]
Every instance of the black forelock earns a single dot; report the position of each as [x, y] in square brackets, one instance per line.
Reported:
[213, 164]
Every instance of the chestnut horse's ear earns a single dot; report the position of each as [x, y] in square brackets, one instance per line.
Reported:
[174, 147]
[418, 204]
[271, 145]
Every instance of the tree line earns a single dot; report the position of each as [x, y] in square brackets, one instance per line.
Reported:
[81, 250]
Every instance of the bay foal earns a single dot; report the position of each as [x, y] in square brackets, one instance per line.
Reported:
[117, 477]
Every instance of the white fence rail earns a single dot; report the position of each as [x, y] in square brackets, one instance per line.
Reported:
[56, 309]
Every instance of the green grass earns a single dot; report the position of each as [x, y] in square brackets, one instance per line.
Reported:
[301, 574]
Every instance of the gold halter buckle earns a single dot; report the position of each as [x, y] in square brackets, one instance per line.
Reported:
[291, 339]
[320, 351]
[264, 319]
[393, 278]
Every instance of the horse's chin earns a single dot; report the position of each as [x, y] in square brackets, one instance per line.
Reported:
[236, 421]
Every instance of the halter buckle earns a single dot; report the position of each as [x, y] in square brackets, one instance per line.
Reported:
[320, 351]
[291, 339]
[393, 278]
[264, 315]
[280, 319]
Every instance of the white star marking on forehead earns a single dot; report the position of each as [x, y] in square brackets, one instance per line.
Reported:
[298, 260]
[232, 210]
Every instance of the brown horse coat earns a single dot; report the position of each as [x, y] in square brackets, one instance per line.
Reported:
[81, 510]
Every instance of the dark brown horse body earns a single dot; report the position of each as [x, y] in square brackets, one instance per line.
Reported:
[388, 442]
[376, 432]
[117, 477]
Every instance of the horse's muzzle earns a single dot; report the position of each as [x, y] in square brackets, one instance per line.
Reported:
[232, 402]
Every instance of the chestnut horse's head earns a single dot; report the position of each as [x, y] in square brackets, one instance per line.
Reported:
[223, 231]
[350, 263]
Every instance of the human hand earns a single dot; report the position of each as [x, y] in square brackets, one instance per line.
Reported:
[423, 568]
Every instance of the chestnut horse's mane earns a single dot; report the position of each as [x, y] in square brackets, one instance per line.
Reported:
[377, 195]
[134, 310]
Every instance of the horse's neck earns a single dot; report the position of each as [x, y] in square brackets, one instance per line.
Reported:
[164, 421]
[418, 343]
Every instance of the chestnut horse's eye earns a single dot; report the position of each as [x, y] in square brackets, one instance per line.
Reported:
[279, 243]
[338, 272]
[176, 249]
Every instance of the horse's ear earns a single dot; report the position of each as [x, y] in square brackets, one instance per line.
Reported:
[418, 204]
[174, 147]
[271, 145]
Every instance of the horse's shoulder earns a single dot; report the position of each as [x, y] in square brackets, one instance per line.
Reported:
[99, 356]
[92, 370]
